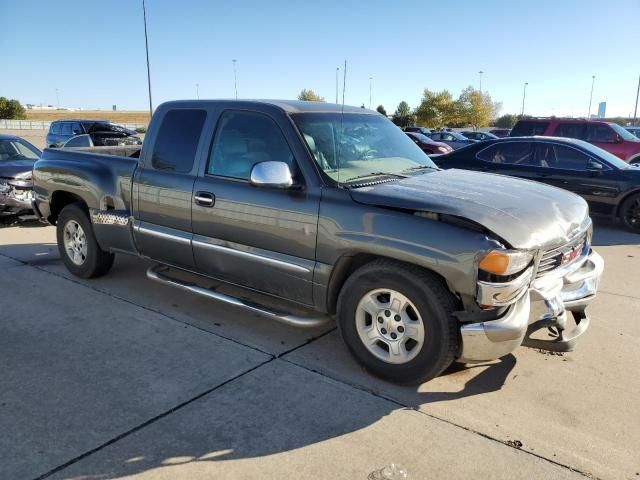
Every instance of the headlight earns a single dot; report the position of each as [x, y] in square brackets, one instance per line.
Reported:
[443, 149]
[505, 262]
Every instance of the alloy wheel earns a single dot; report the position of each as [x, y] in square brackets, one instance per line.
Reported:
[75, 242]
[390, 326]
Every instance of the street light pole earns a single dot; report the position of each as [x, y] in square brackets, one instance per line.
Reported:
[370, 81]
[197, 91]
[57, 100]
[235, 78]
[524, 95]
[593, 80]
[635, 110]
[480, 73]
[146, 46]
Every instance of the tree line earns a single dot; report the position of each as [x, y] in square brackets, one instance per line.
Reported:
[440, 109]
[437, 109]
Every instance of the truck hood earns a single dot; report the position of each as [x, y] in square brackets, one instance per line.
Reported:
[523, 213]
[9, 169]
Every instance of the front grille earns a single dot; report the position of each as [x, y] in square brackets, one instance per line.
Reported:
[563, 255]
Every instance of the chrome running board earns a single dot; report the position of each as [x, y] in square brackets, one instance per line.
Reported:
[157, 274]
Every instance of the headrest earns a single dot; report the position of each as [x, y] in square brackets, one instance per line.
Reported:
[234, 144]
[311, 142]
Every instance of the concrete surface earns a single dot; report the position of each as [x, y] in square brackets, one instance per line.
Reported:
[79, 368]
[319, 428]
[120, 377]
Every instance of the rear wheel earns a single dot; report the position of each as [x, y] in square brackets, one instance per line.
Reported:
[397, 321]
[630, 213]
[77, 244]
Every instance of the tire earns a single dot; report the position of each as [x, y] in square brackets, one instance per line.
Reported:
[77, 244]
[630, 213]
[424, 298]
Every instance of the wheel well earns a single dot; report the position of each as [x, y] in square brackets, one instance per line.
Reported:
[635, 158]
[61, 199]
[343, 269]
[624, 199]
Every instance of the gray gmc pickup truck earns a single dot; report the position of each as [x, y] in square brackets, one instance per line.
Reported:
[310, 211]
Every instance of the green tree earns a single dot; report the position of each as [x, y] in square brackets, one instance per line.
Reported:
[507, 120]
[309, 96]
[403, 117]
[437, 109]
[11, 109]
[380, 109]
[475, 108]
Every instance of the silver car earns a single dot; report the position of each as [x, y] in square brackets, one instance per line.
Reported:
[454, 139]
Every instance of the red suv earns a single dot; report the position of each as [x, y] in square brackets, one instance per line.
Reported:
[608, 136]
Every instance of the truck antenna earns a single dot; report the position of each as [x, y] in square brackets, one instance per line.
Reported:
[344, 86]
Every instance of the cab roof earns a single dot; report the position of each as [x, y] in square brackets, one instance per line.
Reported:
[289, 106]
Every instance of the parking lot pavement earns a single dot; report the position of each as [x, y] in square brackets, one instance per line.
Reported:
[575, 408]
[529, 415]
[281, 421]
[80, 368]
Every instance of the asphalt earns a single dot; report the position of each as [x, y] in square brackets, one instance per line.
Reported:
[121, 377]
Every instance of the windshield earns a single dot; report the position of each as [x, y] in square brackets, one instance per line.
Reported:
[603, 154]
[624, 133]
[354, 145]
[16, 149]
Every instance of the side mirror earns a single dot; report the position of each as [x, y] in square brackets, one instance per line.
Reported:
[271, 174]
[594, 166]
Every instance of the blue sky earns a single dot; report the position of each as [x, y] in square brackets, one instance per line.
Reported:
[93, 51]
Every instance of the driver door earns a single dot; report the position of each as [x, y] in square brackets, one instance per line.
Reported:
[257, 237]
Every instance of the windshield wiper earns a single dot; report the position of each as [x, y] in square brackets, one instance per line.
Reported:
[420, 167]
[376, 174]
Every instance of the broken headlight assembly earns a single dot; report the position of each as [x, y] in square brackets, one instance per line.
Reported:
[503, 277]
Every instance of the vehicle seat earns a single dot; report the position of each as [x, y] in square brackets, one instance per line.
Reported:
[318, 155]
[233, 160]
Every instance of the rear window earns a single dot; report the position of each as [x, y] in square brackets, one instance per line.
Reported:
[177, 143]
[526, 128]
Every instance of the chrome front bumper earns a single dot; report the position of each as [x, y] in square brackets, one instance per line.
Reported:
[548, 303]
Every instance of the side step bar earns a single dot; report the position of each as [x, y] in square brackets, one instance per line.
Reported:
[157, 274]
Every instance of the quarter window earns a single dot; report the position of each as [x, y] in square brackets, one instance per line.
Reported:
[512, 153]
[177, 143]
[244, 139]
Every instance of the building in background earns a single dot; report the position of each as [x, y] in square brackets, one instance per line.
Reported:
[602, 109]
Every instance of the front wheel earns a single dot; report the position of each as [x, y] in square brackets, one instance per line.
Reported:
[630, 213]
[397, 321]
[77, 244]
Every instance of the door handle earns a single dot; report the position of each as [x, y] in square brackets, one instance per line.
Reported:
[204, 199]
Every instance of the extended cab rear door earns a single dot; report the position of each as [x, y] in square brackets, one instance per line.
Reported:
[163, 185]
[259, 237]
